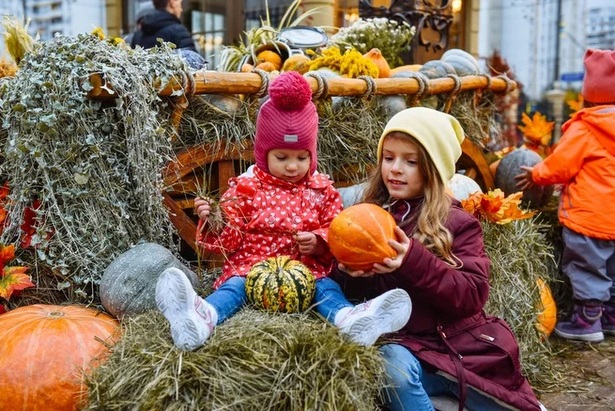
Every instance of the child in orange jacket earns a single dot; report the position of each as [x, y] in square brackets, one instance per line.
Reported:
[584, 162]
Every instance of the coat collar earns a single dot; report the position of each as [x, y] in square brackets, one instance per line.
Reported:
[315, 181]
[402, 210]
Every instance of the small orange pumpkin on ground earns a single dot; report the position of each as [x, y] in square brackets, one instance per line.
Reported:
[44, 351]
[358, 236]
[547, 317]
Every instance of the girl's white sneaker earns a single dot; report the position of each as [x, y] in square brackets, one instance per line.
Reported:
[190, 317]
[366, 322]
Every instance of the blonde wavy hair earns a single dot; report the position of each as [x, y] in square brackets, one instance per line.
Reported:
[435, 209]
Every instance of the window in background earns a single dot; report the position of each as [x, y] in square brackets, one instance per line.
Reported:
[208, 32]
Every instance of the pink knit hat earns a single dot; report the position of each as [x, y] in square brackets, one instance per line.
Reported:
[599, 81]
[287, 120]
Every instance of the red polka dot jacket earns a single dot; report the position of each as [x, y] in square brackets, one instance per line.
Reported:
[262, 214]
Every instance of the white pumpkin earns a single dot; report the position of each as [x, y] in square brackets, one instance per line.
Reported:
[463, 186]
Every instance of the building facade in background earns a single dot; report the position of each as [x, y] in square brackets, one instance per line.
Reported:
[48, 17]
[543, 41]
[601, 27]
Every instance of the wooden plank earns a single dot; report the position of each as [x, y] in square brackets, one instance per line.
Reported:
[199, 155]
[226, 170]
[214, 82]
[479, 163]
[185, 226]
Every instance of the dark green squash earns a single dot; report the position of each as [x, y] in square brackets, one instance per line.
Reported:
[280, 284]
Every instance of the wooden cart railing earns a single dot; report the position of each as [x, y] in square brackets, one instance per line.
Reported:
[223, 163]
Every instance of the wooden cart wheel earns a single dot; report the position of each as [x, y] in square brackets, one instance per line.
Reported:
[475, 165]
[197, 169]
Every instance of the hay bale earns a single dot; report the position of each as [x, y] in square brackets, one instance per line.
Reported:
[520, 253]
[254, 361]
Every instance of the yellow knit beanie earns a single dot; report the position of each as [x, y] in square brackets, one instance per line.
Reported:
[439, 133]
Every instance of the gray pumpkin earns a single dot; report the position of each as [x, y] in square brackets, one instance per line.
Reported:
[437, 69]
[229, 104]
[392, 104]
[463, 62]
[128, 284]
[510, 166]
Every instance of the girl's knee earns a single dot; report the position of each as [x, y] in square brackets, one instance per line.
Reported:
[402, 368]
[236, 281]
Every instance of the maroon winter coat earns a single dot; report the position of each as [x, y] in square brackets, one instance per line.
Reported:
[447, 321]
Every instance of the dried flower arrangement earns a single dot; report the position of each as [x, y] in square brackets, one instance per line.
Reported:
[389, 36]
[94, 166]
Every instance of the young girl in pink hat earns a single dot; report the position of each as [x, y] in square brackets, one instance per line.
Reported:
[283, 208]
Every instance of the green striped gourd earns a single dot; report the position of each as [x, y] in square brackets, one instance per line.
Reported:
[280, 284]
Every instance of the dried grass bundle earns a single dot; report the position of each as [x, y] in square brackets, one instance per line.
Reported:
[254, 361]
[349, 133]
[94, 165]
[475, 112]
[217, 120]
[520, 253]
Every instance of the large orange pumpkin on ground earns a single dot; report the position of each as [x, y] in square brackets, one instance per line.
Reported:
[358, 236]
[44, 349]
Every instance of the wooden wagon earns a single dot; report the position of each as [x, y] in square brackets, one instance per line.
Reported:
[223, 163]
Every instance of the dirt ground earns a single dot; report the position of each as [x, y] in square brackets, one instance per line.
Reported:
[587, 375]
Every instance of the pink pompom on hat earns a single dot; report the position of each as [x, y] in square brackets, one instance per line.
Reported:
[287, 120]
[599, 81]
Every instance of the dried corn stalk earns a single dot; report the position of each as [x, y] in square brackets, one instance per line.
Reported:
[18, 41]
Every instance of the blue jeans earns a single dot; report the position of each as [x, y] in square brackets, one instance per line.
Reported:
[231, 296]
[329, 298]
[409, 387]
[228, 298]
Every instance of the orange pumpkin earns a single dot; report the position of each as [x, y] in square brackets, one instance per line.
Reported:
[547, 318]
[384, 70]
[358, 236]
[44, 350]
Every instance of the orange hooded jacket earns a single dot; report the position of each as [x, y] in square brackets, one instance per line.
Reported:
[584, 162]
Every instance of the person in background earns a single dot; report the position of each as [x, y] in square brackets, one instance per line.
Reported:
[138, 21]
[163, 23]
[449, 347]
[283, 208]
[584, 163]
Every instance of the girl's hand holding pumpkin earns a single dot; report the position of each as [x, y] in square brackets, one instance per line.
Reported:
[402, 246]
[355, 273]
[203, 208]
